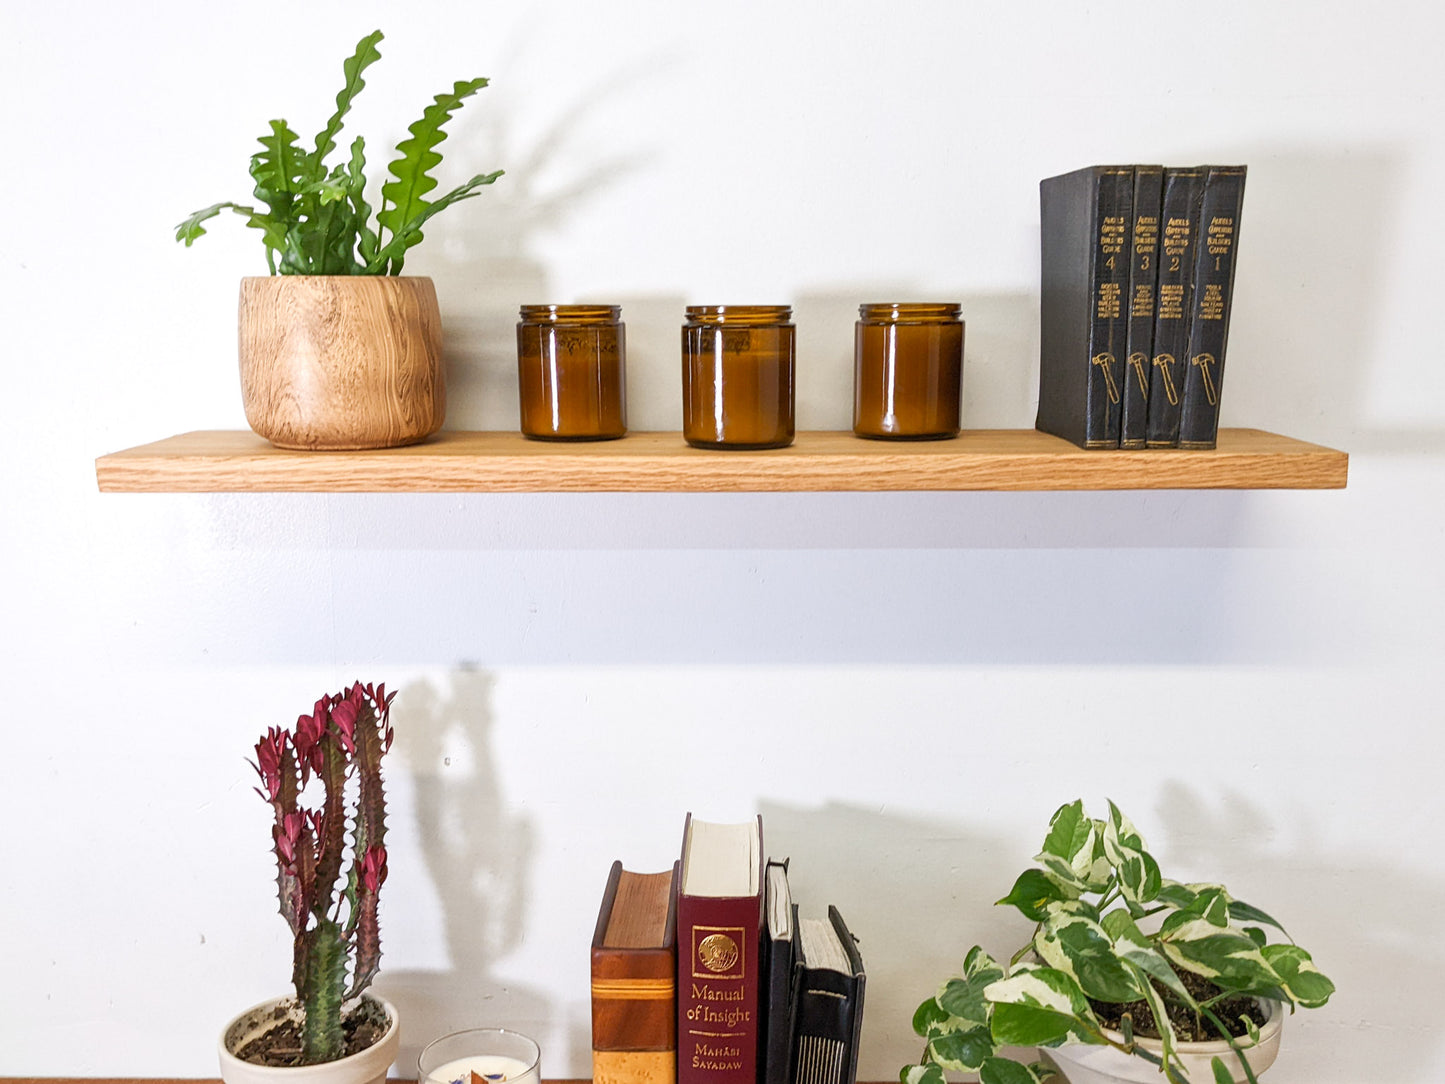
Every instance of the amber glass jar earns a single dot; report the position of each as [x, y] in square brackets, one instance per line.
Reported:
[572, 372]
[907, 371]
[737, 376]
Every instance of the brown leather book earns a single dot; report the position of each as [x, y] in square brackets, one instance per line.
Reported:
[719, 958]
[634, 977]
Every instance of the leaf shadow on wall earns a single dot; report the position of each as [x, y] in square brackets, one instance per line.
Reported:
[488, 265]
[882, 871]
[1381, 913]
[479, 855]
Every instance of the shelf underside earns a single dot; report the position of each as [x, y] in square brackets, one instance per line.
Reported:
[498, 462]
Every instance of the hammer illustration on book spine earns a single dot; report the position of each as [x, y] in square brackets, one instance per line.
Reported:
[1106, 362]
[1204, 361]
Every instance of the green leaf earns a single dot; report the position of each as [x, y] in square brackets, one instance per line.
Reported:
[1035, 890]
[1069, 831]
[1029, 1025]
[1079, 946]
[928, 1017]
[366, 54]
[404, 199]
[964, 998]
[963, 1051]
[1242, 912]
[1175, 895]
[278, 169]
[366, 240]
[1038, 1005]
[1229, 958]
[1135, 949]
[1221, 1073]
[1003, 1071]
[1304, 982]
[191, 228]
[410, 234]
[921, 1074]
[978, 963]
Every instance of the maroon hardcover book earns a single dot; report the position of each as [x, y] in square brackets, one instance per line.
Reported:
[719, 921]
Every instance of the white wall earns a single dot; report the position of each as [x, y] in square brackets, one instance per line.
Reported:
[904, 685]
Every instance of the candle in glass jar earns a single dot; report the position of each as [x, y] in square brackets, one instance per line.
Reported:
[480, 1056]
[489, 1068]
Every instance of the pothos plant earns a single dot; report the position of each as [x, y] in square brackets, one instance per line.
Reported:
[315, 219]
[1092, 897]
[323, 781]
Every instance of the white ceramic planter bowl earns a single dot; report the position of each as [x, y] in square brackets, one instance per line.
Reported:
[1083, 1064]
[368, 1066]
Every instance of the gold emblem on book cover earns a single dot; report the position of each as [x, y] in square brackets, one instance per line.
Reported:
[718, 952]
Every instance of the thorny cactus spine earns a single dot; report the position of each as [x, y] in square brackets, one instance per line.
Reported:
[328, 884]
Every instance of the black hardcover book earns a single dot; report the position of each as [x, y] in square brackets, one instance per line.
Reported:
[1174, 294]
[827, 1002]
[1084, 275]
[780, 922]
[1143, 277]
[1213, 291]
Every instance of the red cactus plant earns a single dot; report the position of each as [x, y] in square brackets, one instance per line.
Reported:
[331, 857]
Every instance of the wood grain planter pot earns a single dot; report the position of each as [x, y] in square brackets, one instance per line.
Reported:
[1082, 1064]
[367, 1066]
[338, 362]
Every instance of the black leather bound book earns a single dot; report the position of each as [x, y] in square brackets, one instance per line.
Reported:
[780, 924]
[827, 1002]
[1178, 224]
[1143, 278]
[1213, 291]
[1084, 276]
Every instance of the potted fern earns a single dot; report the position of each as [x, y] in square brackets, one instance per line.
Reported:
[1126, 977]
[338, 350]
[323, 782]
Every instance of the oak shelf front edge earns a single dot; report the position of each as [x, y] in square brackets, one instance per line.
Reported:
[506, 462]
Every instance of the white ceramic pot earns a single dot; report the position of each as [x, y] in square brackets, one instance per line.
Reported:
[1083, 1064]
[367, 1066]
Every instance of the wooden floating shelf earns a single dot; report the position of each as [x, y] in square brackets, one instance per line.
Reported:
[506, 462]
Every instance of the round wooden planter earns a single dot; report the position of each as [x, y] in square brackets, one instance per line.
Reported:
[335, 362]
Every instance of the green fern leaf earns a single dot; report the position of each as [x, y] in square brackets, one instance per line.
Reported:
[191, 228]
[277, 171]
[366, 54]
[410, 233]
[405, 197]
[366, 239]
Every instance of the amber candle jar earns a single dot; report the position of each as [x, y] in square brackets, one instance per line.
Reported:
[572, 372]
[907, 371]
[737, 376]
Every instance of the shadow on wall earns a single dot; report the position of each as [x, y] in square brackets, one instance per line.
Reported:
[479, 855]
[1366, 920]
[488, 264]
[915, 893]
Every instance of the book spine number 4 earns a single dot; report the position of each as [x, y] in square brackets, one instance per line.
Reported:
[1110, 310]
